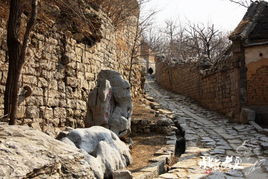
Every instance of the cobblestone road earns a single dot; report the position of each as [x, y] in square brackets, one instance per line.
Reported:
[215, 148]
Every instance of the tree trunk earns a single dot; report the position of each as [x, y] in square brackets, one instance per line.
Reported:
[133, 50]
[16, 54]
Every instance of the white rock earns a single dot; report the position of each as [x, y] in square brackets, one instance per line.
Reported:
[109, 104]
[106, 152]
[29, 153]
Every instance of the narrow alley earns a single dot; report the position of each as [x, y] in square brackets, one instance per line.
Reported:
[215, 148]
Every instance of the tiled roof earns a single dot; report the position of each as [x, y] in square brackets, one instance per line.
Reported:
[254, 25]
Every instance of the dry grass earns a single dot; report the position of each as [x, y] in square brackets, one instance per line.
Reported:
[143, 149]
[145, 145]
[142, 110]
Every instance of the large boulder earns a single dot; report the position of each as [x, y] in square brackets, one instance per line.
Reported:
[29, 153]
[109, 103]
[105, 151]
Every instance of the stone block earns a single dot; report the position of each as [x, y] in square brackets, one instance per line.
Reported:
[60, 75]
[59, 113]
[53, 84]
[62, 103]
[79, 51]
[78, 114]
[71, 103]
[122, 174]
[264, 145]
[29, 79]
[34, 101]
[247, 115]
[36, 126]
[29, 70]
[32, 112]
[84, 84]
[82, 105]
[155, 168]
[54, 121]
[46, 74]
[72, 65]
[69, 112]
[61, 86]
[73, 82]
[37, 91]
[70, 122]
[51, 102]
[53, 93]
[47, 65]
[80, 67]
[70, 71]
[21, 111]
[46, 112]
[42, 82]
[26, 121]
[52, 41]
[89, 76]
[77, 93]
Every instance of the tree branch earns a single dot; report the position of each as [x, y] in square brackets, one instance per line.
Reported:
[243, 3]
[29, 27]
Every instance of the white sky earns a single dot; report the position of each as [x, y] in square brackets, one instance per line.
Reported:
[224, 14]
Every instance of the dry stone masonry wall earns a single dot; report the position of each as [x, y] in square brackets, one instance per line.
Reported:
[60, 72]
[218, 90]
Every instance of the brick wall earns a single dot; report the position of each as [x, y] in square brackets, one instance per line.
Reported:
[258, 87]
[61, 72]
[256, 59]
[216, 90]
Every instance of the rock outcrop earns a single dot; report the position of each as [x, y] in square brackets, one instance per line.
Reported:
[29, 153]
[109, 104]
[104, 151]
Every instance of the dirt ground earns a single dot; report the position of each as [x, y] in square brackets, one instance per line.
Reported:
[143, 149]
[144, 145]
[142, 110]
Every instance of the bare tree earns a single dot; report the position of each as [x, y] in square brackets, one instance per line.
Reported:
[170, 32]
[154, 39]
[202, 40]
[16, 52]
[194, 42]
[243, 3]
[205, 42]
[167, 41]
[142, 23]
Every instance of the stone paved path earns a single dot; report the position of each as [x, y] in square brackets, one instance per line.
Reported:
[214, 146]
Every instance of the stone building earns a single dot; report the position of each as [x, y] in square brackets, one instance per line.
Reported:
[147, 57]
[250, 44]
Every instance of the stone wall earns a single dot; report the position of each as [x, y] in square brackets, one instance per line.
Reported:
[218, 90]
[61, 72]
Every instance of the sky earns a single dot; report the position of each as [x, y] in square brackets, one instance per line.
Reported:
[222, 13]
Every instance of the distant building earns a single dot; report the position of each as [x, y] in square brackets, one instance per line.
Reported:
[147, 57]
